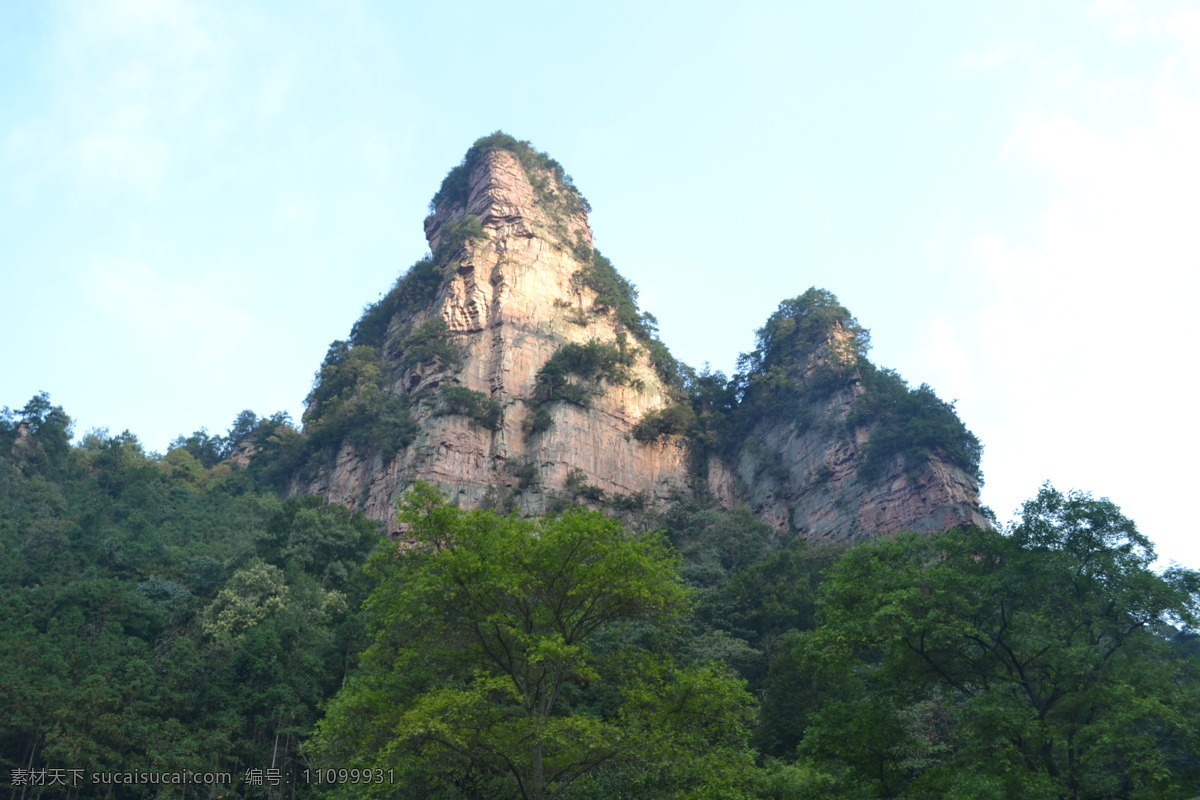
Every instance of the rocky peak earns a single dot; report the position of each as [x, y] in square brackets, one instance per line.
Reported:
[502, 196]
[512, 367]
[522, 387]
[511, 196]
[834, 447]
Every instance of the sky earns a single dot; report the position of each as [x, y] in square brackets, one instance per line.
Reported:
[197, 197]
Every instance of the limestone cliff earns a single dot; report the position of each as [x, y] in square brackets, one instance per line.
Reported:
[512, 368]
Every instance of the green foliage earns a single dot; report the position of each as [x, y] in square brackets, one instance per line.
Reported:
[913, 423]
[526, 473]
[674, 420]
[578, 486]
[352, 401]
[49, 430]
[477, 406]
[590, 363]
[252, 593]
[973, 663]
[811, 348]
[209, 449]
[160, 615]
[506, 663]
[455, 234]
[278, 451]
[714, 401]
[802, 326]
[553, 186]
[326, 541]
[613, 293]
[539, 420]
[616, 295]
[634, 502]
[751, 588]
[413, 291]
[430, 343]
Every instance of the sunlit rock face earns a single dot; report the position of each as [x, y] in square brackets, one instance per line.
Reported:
[511, 296]
[510, 299]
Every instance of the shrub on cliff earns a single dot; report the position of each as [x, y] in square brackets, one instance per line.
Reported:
[455, 185]
[351, 401]
[413, 291]
[477, 406]
[670, 421]
[590, 363]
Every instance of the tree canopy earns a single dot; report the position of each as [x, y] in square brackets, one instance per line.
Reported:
[530, 658]
[975, 663]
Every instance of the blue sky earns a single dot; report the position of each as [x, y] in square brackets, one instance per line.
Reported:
[197, 197]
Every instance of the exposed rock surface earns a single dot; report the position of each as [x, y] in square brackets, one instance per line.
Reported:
[805, 479]
[510, 299]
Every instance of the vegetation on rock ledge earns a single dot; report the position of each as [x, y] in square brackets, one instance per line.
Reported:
[413, 291]
[352, 401]
[616, 295]
[559, 191]
[476, 406]
[812, 348]
[590, 363]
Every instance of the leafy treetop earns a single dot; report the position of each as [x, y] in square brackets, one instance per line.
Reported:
[524, 659]
[974, 663]
[812, 347]
[799, 328]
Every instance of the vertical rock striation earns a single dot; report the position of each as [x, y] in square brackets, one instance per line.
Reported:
[833, 448]
[508, 376]
[510, 299]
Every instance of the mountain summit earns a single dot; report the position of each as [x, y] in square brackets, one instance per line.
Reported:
[513, 367]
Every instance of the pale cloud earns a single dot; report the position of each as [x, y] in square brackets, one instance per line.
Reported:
[144, 94]
[991, 57]
[945, 355]
[124, 151]
[1058, 144]
[188, 320]
[134, 73]
[1088, 326]
[1123, 19]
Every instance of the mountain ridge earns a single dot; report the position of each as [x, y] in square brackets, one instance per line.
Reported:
[513, 367]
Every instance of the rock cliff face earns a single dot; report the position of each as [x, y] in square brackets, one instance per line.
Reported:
[521, 384]
[510, 298]
[805, 479]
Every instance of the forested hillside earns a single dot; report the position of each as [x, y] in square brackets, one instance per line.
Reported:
[166, 615]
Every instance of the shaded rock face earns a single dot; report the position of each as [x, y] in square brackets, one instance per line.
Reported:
[513, 297]
[805, 480]
[510, 300]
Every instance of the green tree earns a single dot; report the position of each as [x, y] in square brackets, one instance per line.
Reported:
[518, 658]
[979, 664]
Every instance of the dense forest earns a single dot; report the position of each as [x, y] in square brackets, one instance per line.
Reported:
[182, 625]
[173, 626]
